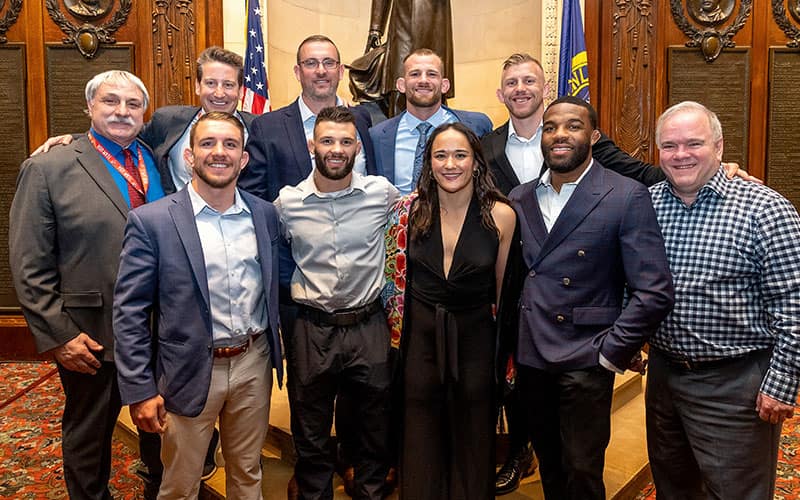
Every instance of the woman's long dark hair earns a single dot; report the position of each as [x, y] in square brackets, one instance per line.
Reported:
[483, 185]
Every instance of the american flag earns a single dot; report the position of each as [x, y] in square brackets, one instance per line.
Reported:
[256, 88]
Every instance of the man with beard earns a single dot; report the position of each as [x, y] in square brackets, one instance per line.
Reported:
[339, 347]
[400, 141]
[65, 235]
[588, 236]
[217, 314]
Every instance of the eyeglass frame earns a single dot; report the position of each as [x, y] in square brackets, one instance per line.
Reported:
[328, 63]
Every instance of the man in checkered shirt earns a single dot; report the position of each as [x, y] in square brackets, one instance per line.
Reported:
[725, 364]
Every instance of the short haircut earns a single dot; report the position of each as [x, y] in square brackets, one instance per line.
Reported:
[220, 55]
[577, 101]
[115, 76]
[521, 58]
[335, 114]
[320, 39]
[424, 51]
[713, 120]
[217, 116]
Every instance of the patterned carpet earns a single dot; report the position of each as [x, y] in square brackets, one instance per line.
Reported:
[31, 402]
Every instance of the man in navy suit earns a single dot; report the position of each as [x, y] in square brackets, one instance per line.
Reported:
[588, 235]
[278, 145]
[211, 353]
[399, 141]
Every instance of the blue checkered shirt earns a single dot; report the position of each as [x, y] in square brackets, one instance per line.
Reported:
[735, 261]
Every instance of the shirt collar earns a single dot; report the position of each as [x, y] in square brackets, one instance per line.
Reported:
[436, 119]
[305, 111]
[717, 185]
[544, 180]
[112, 147]
[513, 133]
[199, 204]
[308, 187]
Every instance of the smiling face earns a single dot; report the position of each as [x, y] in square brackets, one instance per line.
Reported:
[117, 111]
[452, 161]
[217, 155]
[335, 147]
[567, 138]
[219, 88]
[423, 82]
[522, 89]
[318, 83]
[688, 152]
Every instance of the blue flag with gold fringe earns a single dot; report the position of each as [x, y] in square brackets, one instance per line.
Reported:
[573, 67]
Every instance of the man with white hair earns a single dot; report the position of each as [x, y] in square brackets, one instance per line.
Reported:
[65, 236]
[724, 369]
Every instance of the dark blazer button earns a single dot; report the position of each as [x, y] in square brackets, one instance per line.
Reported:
[581, 253]
[560, 318]
[566, 281]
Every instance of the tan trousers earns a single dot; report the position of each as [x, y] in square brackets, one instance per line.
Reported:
[239, 395]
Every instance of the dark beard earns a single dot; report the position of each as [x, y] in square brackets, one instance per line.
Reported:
[579, 155]
[319, 163]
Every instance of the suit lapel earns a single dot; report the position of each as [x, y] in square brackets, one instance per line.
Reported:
[263, 241]
[93, 164]
[293, 124]
[529, 204]
[497, 144]
[183, 119]
[386, 149]
[183, 217]
[587, 195]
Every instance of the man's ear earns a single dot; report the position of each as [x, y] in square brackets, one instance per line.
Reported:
[445, 85]
[244, 160]
[595, 136]
[311, 146]
[188, 157]
[401, 85]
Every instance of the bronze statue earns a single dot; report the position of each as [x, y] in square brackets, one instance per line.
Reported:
[88, 9]
[710, 12]
[794, 8]
[408, 25]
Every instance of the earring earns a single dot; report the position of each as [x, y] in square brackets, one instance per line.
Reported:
[476, 173]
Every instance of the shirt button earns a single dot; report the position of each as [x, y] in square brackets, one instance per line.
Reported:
[566, 281]
[560, 318]
[581, 253]
[532, 274]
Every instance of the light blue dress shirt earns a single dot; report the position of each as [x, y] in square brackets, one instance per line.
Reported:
[405, 145]
[233, 270]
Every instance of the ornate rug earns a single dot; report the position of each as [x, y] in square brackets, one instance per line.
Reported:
[31, 403]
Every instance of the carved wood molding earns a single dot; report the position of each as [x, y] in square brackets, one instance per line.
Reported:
[782, 20]
[632, 90]
[551, 36]
[711, 40]
[9, 18]
[174, 51]
[88, 37]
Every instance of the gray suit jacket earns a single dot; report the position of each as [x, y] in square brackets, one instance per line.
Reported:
[65, 236]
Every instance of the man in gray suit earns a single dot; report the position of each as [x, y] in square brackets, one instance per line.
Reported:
[65, 236]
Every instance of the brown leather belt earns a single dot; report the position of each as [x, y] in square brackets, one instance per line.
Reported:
[346, 317]
[235, 350]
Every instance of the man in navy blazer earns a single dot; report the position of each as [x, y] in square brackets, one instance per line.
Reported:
[396, 140]
[278, 145]
[588, 236]
[216, 338]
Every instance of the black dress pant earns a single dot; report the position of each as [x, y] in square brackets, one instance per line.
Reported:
[327, 362]
[570, 425]
[92, 405]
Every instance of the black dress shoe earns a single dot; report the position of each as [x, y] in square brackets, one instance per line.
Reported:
[210, 464]
[519, 465]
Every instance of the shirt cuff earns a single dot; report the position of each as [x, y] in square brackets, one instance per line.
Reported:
[780, 386]
[608, 365]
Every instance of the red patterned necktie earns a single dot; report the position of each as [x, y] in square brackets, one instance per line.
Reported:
[134, 192]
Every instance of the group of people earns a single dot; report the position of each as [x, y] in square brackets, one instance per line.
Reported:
[406, 271]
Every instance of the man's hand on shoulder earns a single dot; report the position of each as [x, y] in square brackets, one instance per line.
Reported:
[771, 410]
[78, 354]
[150, 414]
[732, 170]
[52, 141]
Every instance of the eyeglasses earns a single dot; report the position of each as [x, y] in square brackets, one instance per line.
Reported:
[326, 63]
